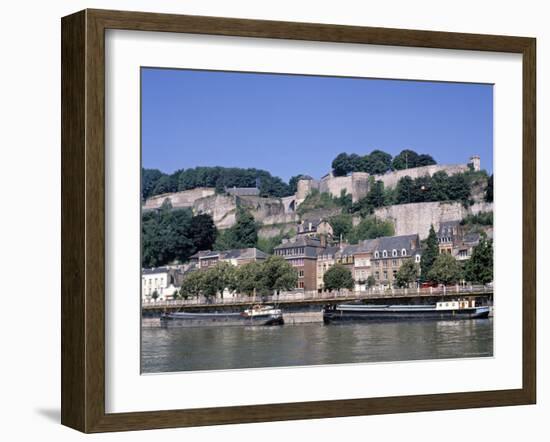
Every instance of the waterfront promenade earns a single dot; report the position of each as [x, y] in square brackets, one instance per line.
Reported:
[314, 297]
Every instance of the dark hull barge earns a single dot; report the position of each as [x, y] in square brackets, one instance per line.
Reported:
[443, 310]
[255, 316]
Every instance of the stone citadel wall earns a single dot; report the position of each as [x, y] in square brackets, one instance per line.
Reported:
[414, 218]
[357, 183]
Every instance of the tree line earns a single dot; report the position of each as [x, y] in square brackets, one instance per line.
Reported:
[438, 187]
[173, 235]
[154, 182]
[445, 269]
[369, 227]
[169, 235]
[379, 162]
[256, 278]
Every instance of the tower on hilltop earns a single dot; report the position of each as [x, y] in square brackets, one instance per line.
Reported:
[475, 160]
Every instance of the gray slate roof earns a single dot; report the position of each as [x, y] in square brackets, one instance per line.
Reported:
[300, 241]
[446, 227]
[154, 270]
[248, 253]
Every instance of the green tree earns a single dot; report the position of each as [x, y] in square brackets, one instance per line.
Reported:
[277, 275]
[370, 228]
[248, 279]
[202, 232]
[404, 191]
[217, 279]
[164, 236]
[345, 200]
[225, 240]
[222, 177]
[425, 160]
[338, 277]
[376, 197]
[445, 270]
[440, 189]
[342, 225]
[379, 162]
[165, 184]
[149, 179]
[317, 200]
[245, 230]
[406, 159]
[429, 254]
[242, 235]
[459, 188]
[192, 285]
[479, 268]
[370, 281]
[341, 165]
[481, 218]
[407, 274]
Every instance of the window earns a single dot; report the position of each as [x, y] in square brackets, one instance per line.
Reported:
[417, 258]
[301, 273]
[377, 275]
[376, 254]
[403, 252]
[394, 262]
[384, 254]
[394, 252]
[385, 274]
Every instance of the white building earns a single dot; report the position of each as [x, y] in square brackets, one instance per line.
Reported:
[159, 280]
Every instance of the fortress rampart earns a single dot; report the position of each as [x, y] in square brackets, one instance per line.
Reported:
[357, 183]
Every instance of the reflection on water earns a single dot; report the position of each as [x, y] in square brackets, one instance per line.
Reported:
[211, 348]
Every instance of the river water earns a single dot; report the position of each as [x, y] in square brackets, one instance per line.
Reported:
[213, 348]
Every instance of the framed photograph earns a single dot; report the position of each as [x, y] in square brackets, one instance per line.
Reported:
[266, 221]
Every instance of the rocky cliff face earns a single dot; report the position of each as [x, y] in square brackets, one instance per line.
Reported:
[178, 200]
[223, 209]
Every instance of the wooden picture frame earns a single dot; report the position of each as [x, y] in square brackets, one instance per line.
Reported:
[83, 220]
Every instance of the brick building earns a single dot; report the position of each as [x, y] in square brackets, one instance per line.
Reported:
[301, 252]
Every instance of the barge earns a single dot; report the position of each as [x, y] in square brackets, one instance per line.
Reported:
[257, 315]
[440, 310]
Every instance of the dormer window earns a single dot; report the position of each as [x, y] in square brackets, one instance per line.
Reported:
[394, 253]
[417, 258]
[384, 254]
[403, 252]
[376, 254]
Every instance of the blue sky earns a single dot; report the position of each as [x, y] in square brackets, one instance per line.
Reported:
[290, 125]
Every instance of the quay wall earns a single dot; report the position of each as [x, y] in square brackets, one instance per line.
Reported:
[291, 318]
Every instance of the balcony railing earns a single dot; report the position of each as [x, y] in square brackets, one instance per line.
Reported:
[313, 295]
